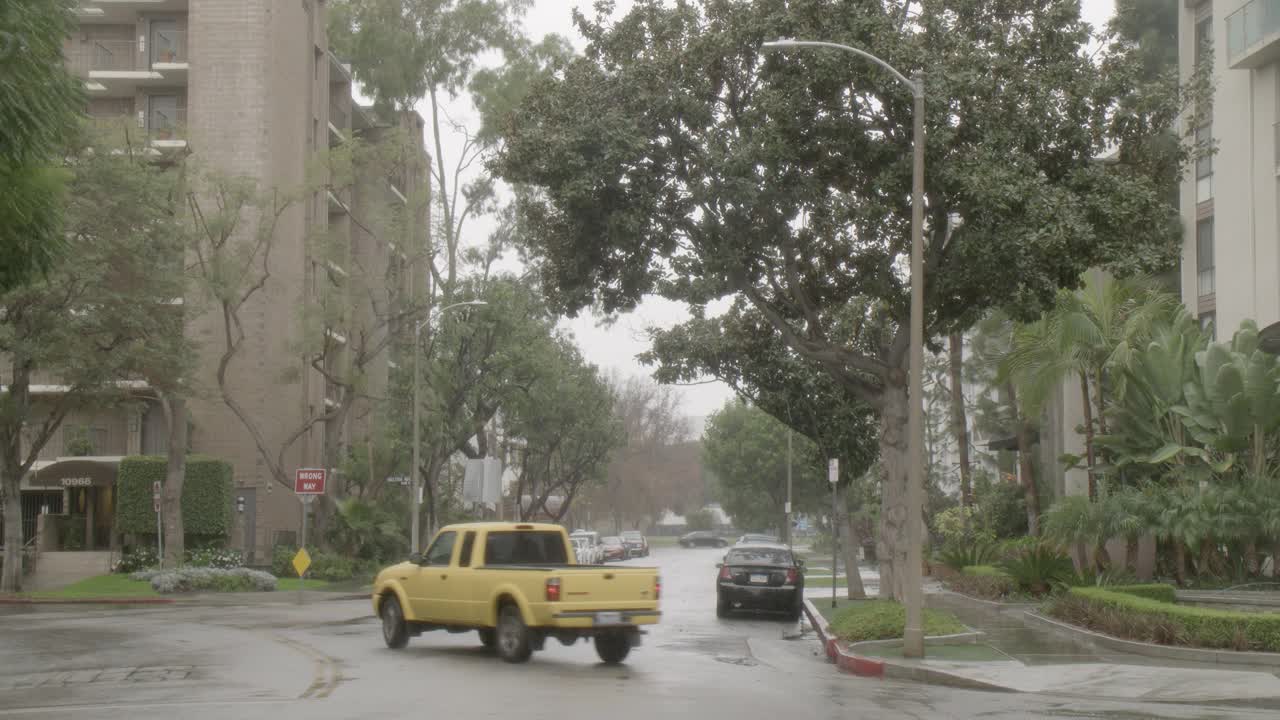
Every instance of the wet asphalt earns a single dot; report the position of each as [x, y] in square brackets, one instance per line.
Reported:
[281, 660]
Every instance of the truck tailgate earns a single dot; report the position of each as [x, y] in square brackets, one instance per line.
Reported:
[591, 588]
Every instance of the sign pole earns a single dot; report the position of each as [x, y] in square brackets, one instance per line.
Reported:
[155, 501]
[307, 484]
[833, 475]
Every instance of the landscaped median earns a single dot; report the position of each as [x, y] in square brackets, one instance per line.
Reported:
[1149, 613]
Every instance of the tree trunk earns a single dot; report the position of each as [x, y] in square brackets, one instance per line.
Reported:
[1026, 470]
[1131, 554]
[1088, 437]
[891, 549]
[852, 543]
[11, 579]
[1101, 403]
[175, 410]
[1180, 563]
[959, 425]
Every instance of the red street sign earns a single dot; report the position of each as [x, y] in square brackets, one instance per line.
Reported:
[309, 481]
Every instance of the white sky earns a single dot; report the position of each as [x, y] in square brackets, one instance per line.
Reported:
[616, 347]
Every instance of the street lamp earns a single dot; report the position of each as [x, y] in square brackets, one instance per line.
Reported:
[417, 416]
[913, 636]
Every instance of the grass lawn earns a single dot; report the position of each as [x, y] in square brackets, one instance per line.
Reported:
[822, 582]
[884, 620]
[957, 653]
[101, 586]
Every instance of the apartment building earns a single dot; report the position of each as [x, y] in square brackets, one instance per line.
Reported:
[1231, 251]
[250, 88]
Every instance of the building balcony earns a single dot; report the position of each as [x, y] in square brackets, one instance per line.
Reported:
[118, 68]
[1253, 34]
[158, 129]
[339, 124]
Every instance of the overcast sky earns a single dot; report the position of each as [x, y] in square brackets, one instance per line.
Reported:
[615, 347]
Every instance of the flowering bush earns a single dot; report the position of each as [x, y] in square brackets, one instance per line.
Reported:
[224, 558]
[137, 558]
[189, 579]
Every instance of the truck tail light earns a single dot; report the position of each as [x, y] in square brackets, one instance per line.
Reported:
[725, 574]
[792, 576]
[657, 588]
[553, 589]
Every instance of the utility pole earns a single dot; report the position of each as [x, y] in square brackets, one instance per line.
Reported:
[788, 530]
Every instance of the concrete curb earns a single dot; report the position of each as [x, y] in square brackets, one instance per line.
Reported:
[849, 661]
[1208, 596]
[1166, 652]
[87, 601]
[988, 604]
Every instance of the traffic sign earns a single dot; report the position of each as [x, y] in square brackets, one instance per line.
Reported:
[398, 479]
[156, 502]
[833, 471]
[309, 481]
[302, 561]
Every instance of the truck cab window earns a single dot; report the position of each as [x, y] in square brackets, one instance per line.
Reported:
[442, 549]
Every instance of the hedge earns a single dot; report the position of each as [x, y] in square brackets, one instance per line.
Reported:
[206, 495]
[983, 571]
[885, 620]
[1142, 618]
[1156, 591]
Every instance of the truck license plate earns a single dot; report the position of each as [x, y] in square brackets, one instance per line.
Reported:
[608, 618]
[760, 579]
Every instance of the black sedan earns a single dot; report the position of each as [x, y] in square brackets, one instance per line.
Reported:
[702, 538]
[760, 577]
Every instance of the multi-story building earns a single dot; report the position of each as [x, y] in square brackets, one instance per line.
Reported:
[1231, 247]
[250, 88]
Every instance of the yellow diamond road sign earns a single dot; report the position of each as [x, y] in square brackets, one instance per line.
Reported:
[302, 561]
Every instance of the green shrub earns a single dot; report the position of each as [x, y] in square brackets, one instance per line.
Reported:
[1153, 591]
[885, 620]
[206, 495]
[331, 566]
[140, 557]
[224, 558]
[982, 581]
[282, 560]
[1036, 570]
[959, 557]
[1142, 618]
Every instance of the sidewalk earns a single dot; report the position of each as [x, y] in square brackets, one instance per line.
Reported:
[1015, 658]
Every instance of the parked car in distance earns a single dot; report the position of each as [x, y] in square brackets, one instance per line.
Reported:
[594, 554]
[636, 544]
[613, 548]
[702, 538]
[760, 577]
[757, 538]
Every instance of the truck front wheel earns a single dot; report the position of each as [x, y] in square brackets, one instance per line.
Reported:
[395, 632]
[613, 647]
[513, 636]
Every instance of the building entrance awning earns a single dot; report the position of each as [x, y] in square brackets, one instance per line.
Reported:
[73, 473]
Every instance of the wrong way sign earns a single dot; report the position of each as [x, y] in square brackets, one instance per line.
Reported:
[309, 481]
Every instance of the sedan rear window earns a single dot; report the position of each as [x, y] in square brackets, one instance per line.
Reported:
[759, 556]
[524, 547]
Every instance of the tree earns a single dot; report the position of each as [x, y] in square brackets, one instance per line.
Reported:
[747, 449]
[742, 349]
[674, 158]
[569, 430]
[959, 423]
[91, 320]
[41, 105]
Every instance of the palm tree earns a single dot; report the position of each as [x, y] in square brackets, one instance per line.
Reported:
[1086, 334]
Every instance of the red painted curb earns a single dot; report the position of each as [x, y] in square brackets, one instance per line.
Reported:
[837, 651]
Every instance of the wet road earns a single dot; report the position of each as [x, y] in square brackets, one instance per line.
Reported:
[325, 659]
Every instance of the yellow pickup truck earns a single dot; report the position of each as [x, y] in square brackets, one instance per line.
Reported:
[517, 584]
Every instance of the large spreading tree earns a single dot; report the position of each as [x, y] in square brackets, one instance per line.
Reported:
[676, 157]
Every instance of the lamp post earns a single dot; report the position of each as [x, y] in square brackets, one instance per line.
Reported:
[416, 500]
[913, 599]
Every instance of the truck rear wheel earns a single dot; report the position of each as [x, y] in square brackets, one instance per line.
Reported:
[513, 635]
[613, 647]
[395, 632]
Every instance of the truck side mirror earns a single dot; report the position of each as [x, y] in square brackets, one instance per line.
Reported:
[415, 558]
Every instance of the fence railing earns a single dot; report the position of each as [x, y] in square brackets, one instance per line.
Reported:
[104, 55]
[339, 117]
[168, 46]
[167, 124]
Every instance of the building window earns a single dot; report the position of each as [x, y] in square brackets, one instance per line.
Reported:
[83, 440]
[1204, 40]
[1204, 163]
[1209, 325]
[1204, 257]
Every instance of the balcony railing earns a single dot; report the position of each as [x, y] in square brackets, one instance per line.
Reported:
[105, 55]
[168, 47]
[167, 124]
[1248, 30]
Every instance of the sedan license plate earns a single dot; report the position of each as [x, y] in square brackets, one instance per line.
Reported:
[608, 618]
[759, 579]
